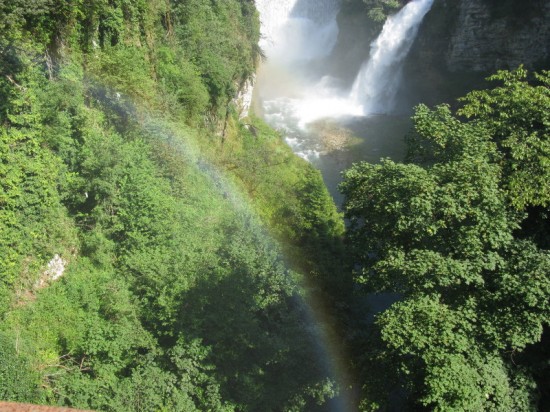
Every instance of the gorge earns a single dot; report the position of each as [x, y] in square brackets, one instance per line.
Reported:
[236, 205]
[303, 94]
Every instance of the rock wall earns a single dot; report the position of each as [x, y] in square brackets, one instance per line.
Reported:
[488, 35]
[243, 100]
[356, 32]
[462, 41]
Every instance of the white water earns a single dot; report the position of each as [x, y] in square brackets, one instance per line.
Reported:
[378, 81]
[295, 31]
[294, 91]
[296, 36]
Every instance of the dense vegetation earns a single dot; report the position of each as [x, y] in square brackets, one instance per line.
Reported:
[141, 220]
[156, 250]
[459, 237]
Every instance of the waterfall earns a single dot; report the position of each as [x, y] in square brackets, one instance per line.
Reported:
[273, 16]
[378, 80]
[296, 36]
[297, 30]
[293, 87]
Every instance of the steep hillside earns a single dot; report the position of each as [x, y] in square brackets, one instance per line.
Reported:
[141, 220]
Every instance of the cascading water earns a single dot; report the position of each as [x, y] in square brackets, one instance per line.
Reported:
[292, 88]
[273, 16]
[378, 81]
[297, 30]
[296, 36]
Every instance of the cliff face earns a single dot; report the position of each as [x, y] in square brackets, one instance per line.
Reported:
[462, 41]
[489, 36]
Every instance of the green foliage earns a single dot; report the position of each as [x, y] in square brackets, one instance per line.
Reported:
[442, 234]
[264, 161]
[181, 80]
[434, 344]
[517, 115]
[14, 15]
[33, 222]
[18, 382]
[247, 313]
[307, 223]
[220, 38]
[173, 296]
[453, 210]
[125, 69]
[378, 10]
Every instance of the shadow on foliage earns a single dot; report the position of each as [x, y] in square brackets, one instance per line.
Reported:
[265, 351]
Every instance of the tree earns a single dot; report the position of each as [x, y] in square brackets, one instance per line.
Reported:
[378, 10]
[442, 233]
[517, 115]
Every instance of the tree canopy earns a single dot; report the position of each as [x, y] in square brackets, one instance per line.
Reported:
[442, 232]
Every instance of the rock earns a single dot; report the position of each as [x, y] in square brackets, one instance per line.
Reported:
[243, 100]
[332, 136]
[461, 42]
[487, 38]
[54, 271]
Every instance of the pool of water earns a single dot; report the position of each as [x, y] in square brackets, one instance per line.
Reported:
[368, 139]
